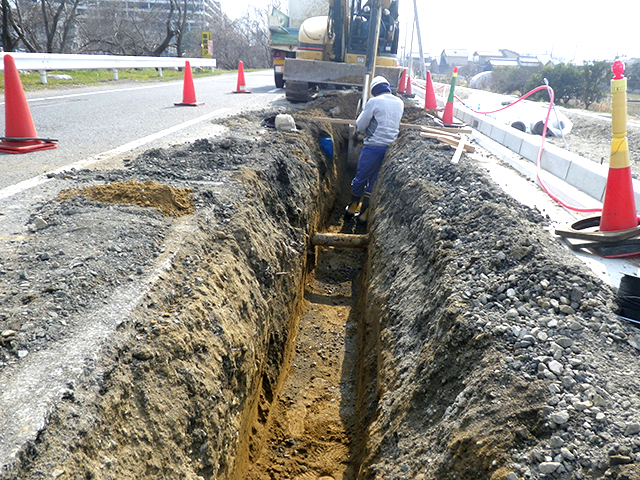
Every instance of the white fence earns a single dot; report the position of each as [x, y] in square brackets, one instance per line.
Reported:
[44, 62]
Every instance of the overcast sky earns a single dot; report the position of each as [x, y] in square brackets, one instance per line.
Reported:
[572, 29]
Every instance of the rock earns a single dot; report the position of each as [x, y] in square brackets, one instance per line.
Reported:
[556, 367]
[38, 223]
[60, 77]
[576, 294]
[512, 476]
[561, 417]
[581, 406]
[142, 354]
[619, 460]
[23, 353]
[7, 333]
[632, 429]
[567, 310]
[57, 473]
[335, 111]
[566, 454]
[548, 467]
[556, 442]
[564, 342]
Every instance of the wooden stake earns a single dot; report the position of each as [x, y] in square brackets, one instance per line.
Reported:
[459, 149]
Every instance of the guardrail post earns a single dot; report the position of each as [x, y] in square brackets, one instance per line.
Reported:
[160, 71]
[115, 74]
[43, 77]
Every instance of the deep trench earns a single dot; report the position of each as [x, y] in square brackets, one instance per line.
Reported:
[310, 422]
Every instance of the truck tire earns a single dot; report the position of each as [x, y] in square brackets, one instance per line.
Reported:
[279, 79]
[298, 92]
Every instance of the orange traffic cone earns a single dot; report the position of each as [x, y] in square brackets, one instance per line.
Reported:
[430, 102]
[402, 82]
[619, 207]
[20, 134]
[188, 91]
[407, 91]
[241, 87]
[447, 115]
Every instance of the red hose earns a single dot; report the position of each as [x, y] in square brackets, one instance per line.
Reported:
[541, 149]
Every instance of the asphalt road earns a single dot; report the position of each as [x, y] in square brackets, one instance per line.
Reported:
[94, 123]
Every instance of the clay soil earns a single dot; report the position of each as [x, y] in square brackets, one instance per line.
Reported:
[197, 334]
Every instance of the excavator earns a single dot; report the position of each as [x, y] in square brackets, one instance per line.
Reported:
[335, 49]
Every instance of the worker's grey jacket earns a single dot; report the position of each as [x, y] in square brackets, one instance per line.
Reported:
[380, 120]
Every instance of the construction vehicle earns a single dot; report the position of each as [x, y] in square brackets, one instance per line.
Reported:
[332, 46]
[283, 40]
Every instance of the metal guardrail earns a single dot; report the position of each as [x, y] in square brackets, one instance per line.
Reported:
[44, 62]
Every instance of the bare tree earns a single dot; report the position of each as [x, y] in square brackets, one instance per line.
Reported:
[245, 38]
[9, 38]
[44, 25]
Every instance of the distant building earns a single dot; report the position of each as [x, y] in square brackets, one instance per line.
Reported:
[450, 58]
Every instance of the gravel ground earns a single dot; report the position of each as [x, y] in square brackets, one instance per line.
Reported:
[488, 350]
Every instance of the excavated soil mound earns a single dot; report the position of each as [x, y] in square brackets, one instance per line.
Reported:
[169, 200]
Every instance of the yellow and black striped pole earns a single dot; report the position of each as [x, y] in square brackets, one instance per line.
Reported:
[619, 207]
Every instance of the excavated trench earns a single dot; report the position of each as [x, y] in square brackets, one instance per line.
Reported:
[254, 355]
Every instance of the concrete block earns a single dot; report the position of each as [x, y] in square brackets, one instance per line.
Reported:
[499, 133]
[588, 177]
[485, 127]
[529, 147]
[513, 140]
[555, 160]
[462, 114]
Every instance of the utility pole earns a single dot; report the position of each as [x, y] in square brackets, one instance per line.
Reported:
[372, 48]
[415, 13]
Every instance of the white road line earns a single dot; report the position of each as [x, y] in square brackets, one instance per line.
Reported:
[44, 178]
[86, 94]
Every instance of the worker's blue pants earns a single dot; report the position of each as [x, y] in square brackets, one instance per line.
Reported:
[368, 167]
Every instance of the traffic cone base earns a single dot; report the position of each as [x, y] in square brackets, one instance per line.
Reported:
[430, 102]
[619, 207]
[184, 104]
[241, 86]
[17, 145]
[20, 134]
[188, 90]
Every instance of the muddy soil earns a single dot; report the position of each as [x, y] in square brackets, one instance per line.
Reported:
[465, 343]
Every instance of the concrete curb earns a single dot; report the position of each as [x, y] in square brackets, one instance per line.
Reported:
[587, 176]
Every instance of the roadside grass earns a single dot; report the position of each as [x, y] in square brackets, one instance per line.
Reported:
[31, 79]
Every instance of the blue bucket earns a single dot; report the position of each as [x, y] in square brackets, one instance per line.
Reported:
[326, 144]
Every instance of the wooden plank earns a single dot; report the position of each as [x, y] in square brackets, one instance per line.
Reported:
[343, 240]
[459, 149]
[403, 126]
[433, 131]
[449, 141]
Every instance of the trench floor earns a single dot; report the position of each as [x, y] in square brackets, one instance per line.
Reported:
[312, 424]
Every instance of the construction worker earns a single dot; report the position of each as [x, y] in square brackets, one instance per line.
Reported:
[380, 123]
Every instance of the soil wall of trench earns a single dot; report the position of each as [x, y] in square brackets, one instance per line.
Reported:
[475, 327]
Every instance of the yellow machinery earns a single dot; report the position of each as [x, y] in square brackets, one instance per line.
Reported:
[332, 49]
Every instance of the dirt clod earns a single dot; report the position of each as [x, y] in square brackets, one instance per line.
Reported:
[171, 201]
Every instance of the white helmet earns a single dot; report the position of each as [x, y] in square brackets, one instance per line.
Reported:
[378, 80]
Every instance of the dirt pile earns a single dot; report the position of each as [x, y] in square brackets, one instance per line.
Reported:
[169, 200]
[515, 367]
[148, 337]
